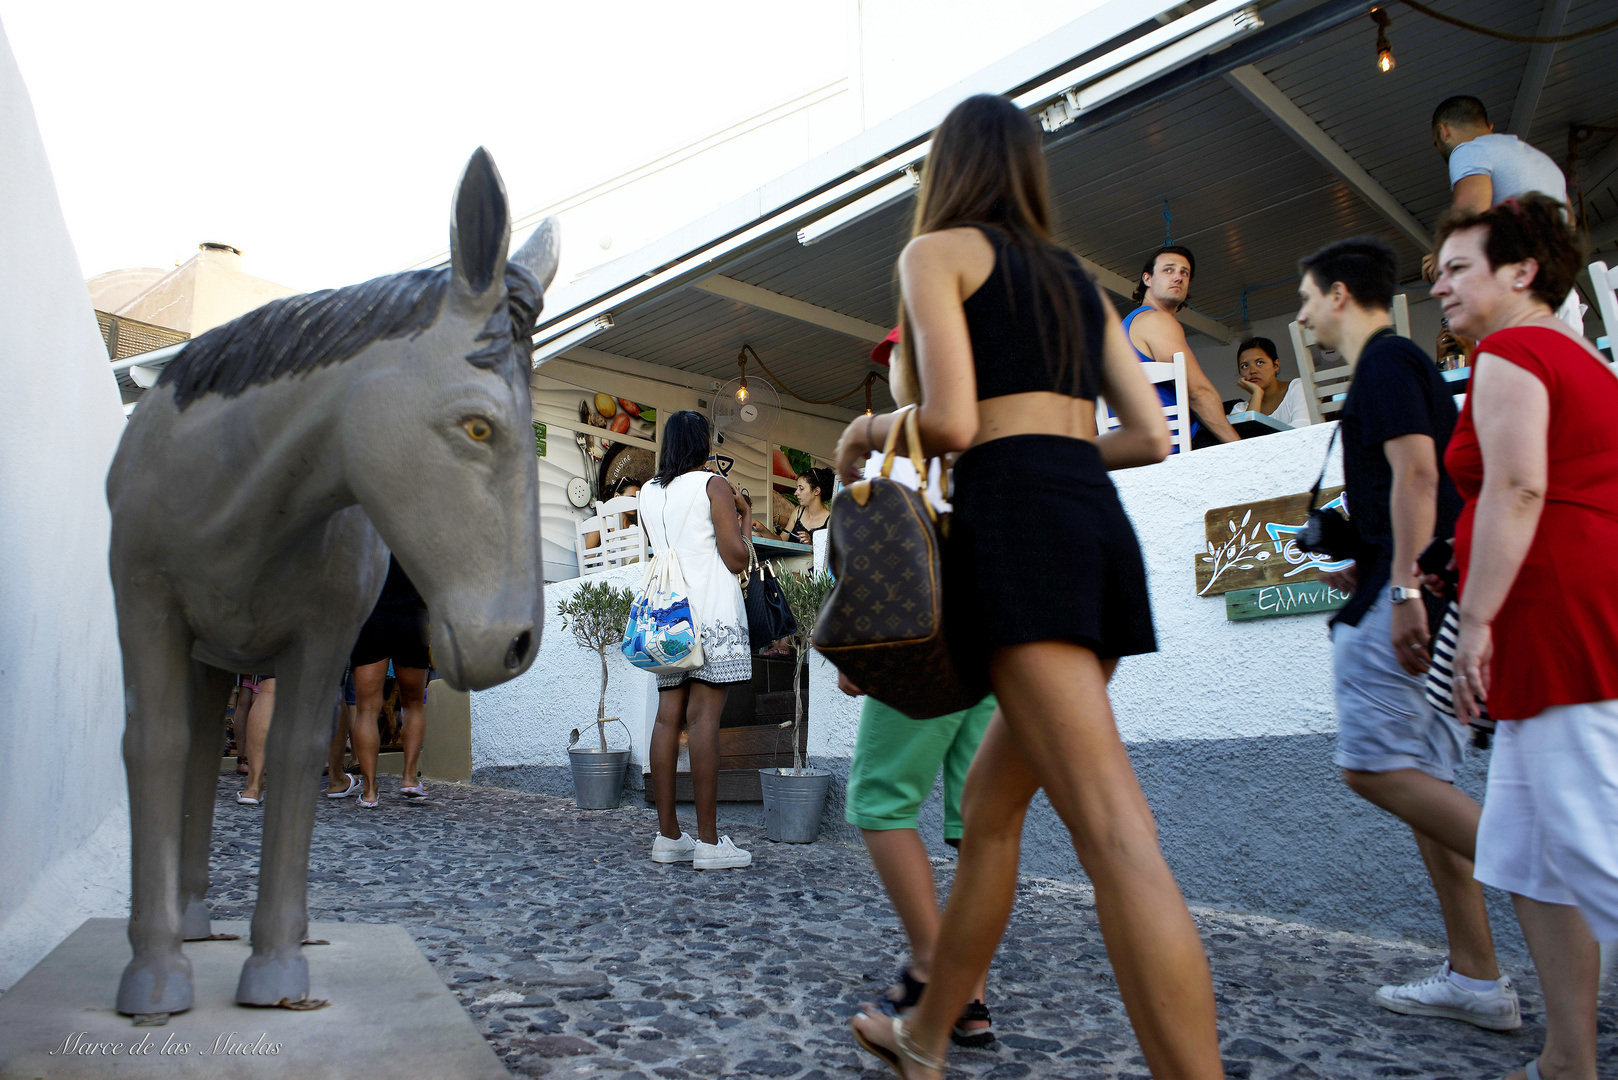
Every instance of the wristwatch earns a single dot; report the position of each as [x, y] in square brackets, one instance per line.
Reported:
[1398, 594]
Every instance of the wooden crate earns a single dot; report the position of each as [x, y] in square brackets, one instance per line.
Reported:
[745, 750]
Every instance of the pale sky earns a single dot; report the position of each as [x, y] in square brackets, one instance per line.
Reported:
[324, 139]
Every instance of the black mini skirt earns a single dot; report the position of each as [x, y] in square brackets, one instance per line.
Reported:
[1040, 549]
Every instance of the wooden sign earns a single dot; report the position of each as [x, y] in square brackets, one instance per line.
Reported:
[1270, 601]
[1255, 544]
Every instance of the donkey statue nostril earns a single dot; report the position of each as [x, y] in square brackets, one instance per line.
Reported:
[518, 650]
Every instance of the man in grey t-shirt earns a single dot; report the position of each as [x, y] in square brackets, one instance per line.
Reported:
[1486, 169]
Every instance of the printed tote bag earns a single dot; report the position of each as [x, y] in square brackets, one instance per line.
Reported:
[662, 635]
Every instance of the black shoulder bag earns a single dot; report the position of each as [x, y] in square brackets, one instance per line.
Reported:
[769, 616]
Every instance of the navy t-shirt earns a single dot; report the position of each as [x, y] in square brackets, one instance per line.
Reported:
[1397, 390]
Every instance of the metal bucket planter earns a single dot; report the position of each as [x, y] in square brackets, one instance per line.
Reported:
[793, 804]
[598, 777]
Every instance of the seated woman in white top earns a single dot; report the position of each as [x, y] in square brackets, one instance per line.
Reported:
[1257, 369]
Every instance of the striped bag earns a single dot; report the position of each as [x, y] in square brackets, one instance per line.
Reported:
[1440, 685]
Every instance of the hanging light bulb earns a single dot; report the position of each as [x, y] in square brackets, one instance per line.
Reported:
[1384, 51]
[741, 390]
[869, 379]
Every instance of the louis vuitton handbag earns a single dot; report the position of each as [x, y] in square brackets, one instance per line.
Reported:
[883, 624]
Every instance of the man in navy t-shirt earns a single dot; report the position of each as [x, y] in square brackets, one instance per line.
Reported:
[1395, 750]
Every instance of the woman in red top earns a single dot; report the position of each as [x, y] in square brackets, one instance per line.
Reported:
[1535, 454]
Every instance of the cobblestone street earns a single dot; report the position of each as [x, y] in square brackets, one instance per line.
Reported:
[576, 955]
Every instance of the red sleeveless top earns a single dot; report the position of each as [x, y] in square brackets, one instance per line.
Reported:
[1556, 636]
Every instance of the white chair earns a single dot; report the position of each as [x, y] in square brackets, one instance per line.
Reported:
[1401, 315]
[1178, 415]
[1605, 282]
[591, 559]
[1323, 389]
[622, 541]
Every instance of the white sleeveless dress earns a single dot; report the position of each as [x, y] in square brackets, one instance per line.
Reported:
[681, 517]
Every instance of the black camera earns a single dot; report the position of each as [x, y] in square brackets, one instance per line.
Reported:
[1329, 533]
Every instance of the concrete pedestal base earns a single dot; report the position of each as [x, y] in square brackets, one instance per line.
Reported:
[390, 1015]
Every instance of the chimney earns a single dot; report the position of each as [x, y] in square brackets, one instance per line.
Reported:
[221, 254]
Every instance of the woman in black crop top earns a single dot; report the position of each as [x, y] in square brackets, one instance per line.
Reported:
[1006, 344]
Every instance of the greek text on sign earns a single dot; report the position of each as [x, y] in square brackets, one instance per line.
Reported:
[1270, 601]
[1255, 544]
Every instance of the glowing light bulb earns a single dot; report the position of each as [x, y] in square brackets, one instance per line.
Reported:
[1384, 59]
[741, 391]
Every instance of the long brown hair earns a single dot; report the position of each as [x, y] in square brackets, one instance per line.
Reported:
[987, 167]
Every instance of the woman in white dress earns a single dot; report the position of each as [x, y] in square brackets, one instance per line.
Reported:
[1258, 368]
[695, 512]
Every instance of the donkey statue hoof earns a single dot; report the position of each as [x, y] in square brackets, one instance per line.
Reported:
[194, 924]
[155, 984]
[268, 981]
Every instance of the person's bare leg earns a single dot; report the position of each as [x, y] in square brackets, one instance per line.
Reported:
[1460, 901]
[906, 871]
[368, 681]
[1055, 730]
[665, 754]
[243, 704]
[412, 683]
[1568, 960]
[702, 737]
[258, 731]
[902, 863]
[1444, 820]
[1429, 805]
[336, 778]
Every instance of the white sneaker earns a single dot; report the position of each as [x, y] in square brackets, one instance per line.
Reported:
[665, 850]
[721, 856]
[1437, 995]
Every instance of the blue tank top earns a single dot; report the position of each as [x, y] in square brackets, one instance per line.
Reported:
[1165, 391]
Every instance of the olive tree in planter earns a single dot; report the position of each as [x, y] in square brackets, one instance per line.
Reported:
[597, 614]
[794, 798]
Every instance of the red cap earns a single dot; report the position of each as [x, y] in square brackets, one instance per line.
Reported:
[884, 348]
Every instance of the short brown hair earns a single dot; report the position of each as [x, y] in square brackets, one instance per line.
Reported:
[1531, 226]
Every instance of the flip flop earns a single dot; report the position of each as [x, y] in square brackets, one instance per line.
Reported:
[372, 805]
[353, 786]
[417, 792]
[248, 801]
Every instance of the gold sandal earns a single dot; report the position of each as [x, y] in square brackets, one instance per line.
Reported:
[907, 1050]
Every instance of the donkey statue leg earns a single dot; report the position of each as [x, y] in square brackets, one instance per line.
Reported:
[210, 691]
[306, 688]
[156, 647]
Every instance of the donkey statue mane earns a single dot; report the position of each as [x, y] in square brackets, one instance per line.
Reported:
[256, 494]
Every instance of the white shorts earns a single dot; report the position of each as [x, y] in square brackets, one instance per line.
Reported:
[1550, 817]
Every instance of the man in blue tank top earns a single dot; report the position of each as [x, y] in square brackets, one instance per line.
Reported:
[1165, 284]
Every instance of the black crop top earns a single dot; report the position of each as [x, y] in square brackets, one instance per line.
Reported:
[1007, 353]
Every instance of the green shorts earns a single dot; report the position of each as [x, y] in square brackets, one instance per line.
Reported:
[896, 761]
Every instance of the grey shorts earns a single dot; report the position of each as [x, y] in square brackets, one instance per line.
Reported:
[1383, 719]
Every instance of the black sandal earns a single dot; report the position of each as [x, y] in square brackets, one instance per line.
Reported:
[911, 997]
[976, 1012]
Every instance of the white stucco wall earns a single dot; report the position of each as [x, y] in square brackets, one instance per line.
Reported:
[526, 721]
[1202, 683]
[64, 837]
[1211, 678]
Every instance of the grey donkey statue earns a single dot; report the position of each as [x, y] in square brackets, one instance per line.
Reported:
[255, 496]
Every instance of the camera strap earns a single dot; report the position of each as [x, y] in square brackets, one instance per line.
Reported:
[1314, 492]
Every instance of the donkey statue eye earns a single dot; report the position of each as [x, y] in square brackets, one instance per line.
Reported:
[478, 428]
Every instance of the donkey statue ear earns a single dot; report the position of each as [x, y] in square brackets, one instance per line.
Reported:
[480, 226]
[541, 251]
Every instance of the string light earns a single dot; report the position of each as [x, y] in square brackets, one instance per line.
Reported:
[1384, 51]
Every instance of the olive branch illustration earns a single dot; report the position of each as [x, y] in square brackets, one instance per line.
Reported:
[1241, 550]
